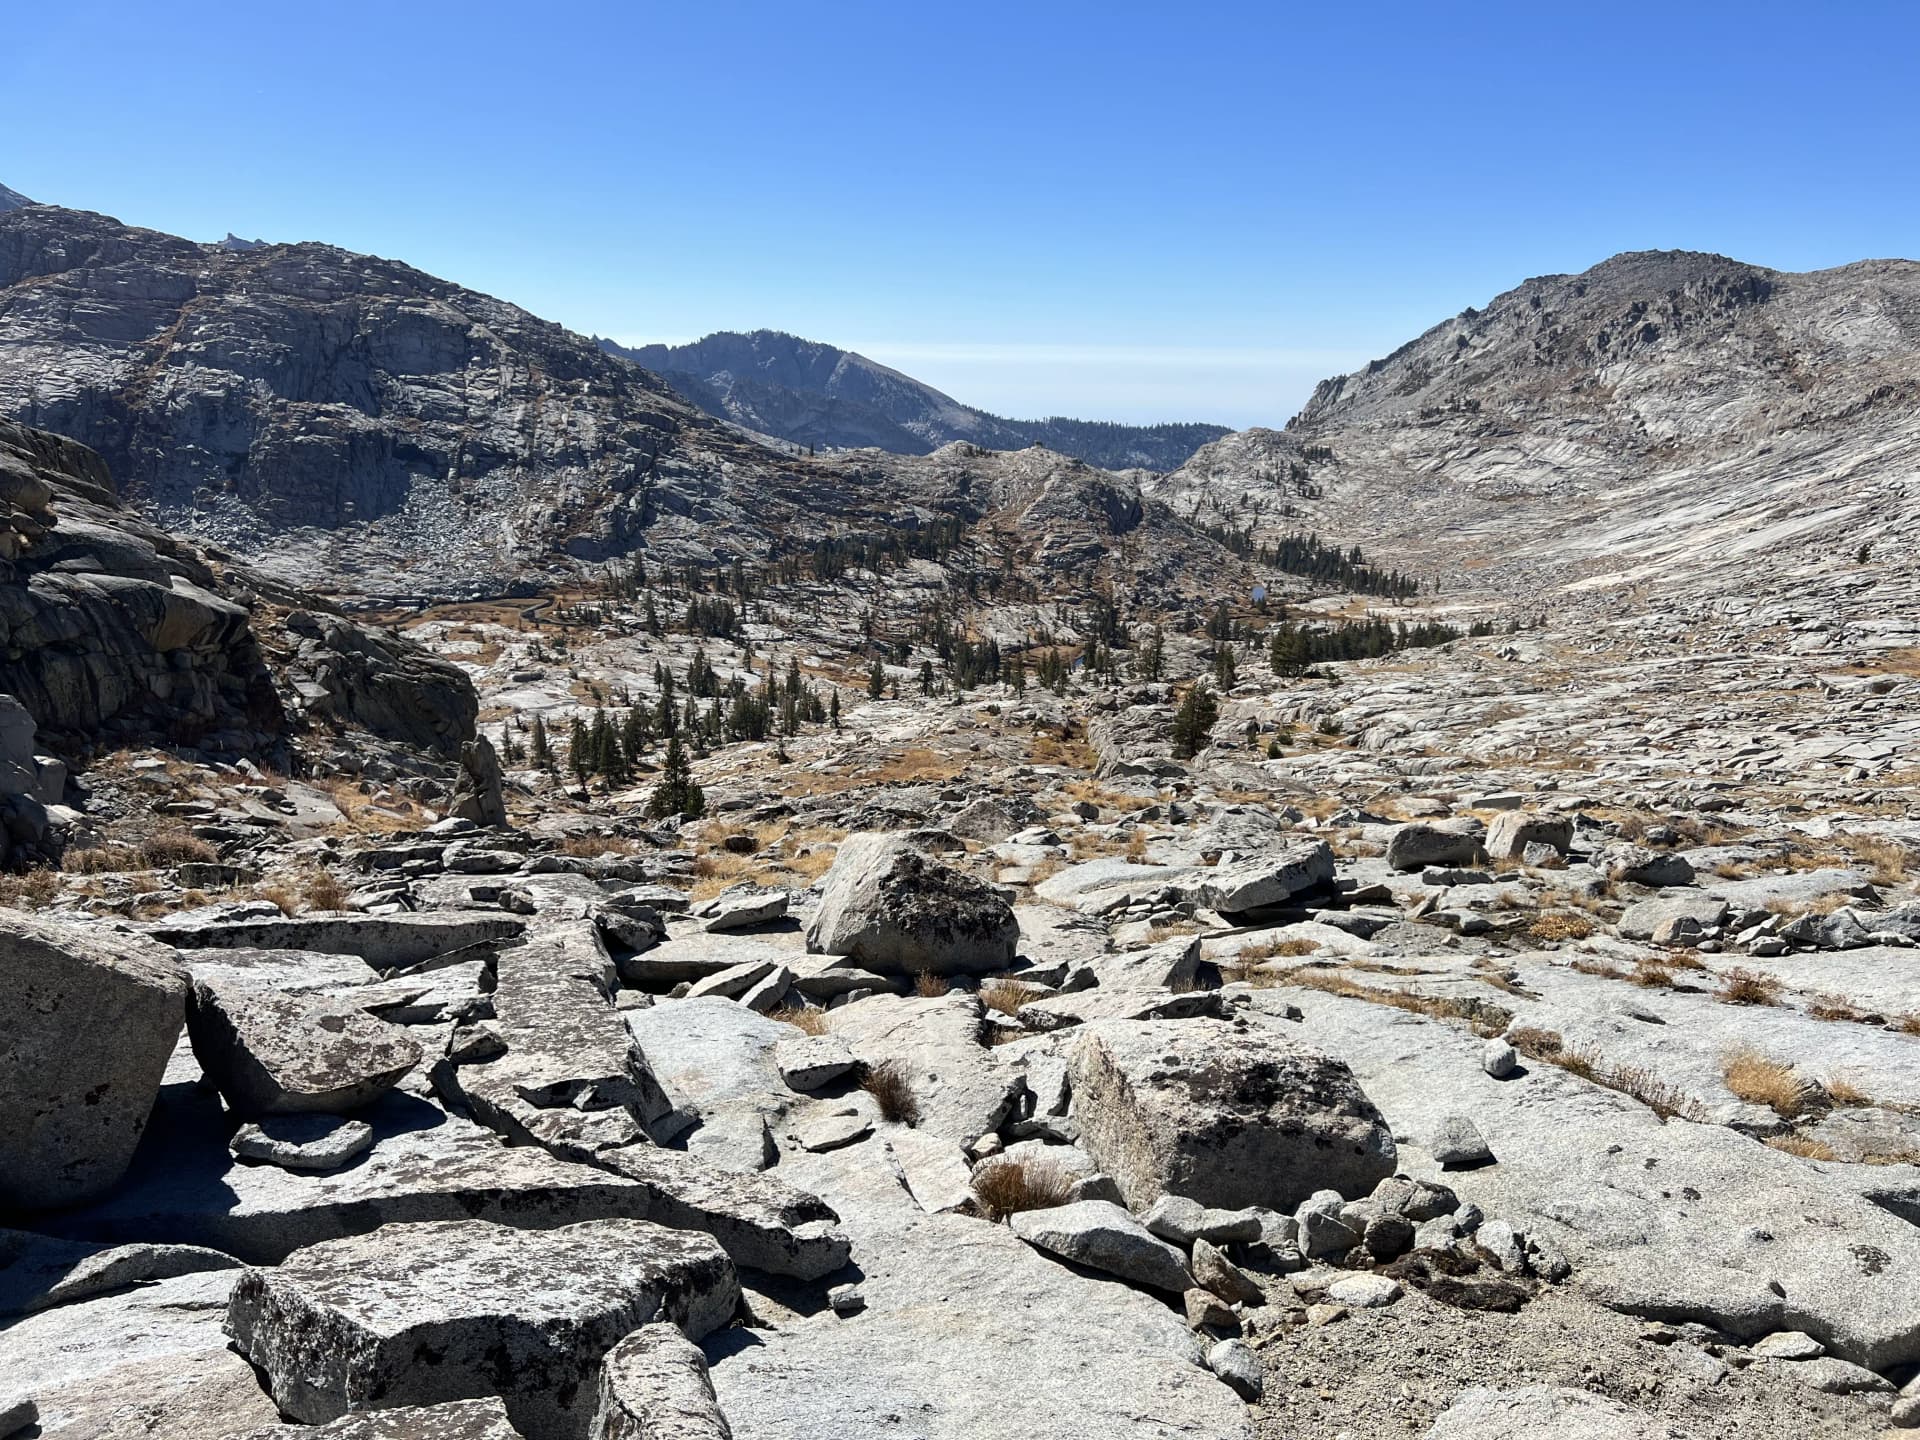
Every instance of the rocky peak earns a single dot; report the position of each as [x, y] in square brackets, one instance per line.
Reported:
[12, 199]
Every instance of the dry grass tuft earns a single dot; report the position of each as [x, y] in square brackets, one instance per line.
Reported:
[1825, 1005]
[592, 847]
[807, 1019]
[1653, 975]
[929, 986]
[1749, 987]
[914, 765]
[1482, 1016]
[1801, 1145]
[1557, 925]
[176, 847]
[892, 1089]
[34, 890]
[1845, 1092]
[325, 892]
[1908, 1024]
[101, 860]
[279, 895]
[1007, 995]
[1754, 1078]
[1006, 1187]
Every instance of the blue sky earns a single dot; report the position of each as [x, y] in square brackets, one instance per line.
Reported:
[1116, 210]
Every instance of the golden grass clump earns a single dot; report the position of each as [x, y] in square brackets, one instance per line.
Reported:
[1758, 1080]
[929, 986]
[1556, 925]
[808, 1019]
[1803, 1146]
[101, 860]
[1845, 1092]
[1482, 1016]
[1004, 1186]
[892, 1089]
[1007, 995]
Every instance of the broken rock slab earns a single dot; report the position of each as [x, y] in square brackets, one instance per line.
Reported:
[423, 1314]
[1091, 1357]
[387, 942]
[92, 1018]
[302, 1142]
[741, 908]
[149, 1363]
[1265, 882]
[654, 1386]
[1103, 1236]
[38, 1272]
[1225, 1114]
[273, 1054]
[567, 1046]
[456, 1420]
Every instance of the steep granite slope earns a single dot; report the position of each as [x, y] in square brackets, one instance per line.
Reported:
[1664, 417]
[817, 395]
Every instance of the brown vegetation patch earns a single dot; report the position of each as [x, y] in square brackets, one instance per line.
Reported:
[1005, 1186]
[892, 1089]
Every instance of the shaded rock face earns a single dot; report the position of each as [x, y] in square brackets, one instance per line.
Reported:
[423, 1314]
[893, 907]
[107, 624]
[112, 630]
[1224, 1115]
[77, 1085]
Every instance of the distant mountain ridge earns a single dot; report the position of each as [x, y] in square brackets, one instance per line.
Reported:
[809, 393]
[12, 200]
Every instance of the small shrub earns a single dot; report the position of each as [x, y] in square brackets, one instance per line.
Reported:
[101, 860]
[1652, 975]
[1004, 1186]
[892, 1090]
[1749, 987]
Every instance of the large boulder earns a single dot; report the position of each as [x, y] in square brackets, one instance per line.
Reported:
[476, 791]
[893, 907]
[90, 1022]
[423, 1314]
[274, 1054]
[1512, 831]
[456, 1420]
[1223, 1114]
[1416, 846]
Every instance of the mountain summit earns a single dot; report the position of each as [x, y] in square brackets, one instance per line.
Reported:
[12, 200]
[819, 395]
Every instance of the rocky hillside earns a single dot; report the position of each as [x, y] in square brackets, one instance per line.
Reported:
[352, 423]
[1667, 417]
[115, 634]
[12, 199]
[819, 396]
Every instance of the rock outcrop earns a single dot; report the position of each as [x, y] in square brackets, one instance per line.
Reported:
[890, 906]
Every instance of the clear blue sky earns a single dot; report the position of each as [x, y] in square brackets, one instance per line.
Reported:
[1117, 210]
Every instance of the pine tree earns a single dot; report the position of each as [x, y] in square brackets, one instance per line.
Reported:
[579, 754]
[833, 710]
[1225, 672]
[876, 681]
[539, 748]
[676, 794]
[1193, 721]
